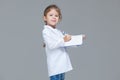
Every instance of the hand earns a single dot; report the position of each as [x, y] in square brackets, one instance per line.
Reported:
[84, 36]
[67, 38]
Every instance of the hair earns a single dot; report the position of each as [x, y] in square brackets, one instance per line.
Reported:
[53, 6]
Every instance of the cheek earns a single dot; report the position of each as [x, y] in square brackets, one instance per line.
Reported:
[58, 18]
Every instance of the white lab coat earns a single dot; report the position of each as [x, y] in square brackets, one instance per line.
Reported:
[58, 60]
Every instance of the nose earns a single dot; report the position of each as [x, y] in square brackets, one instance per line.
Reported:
[54, 17]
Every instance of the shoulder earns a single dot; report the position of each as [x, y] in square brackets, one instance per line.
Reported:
[46, 31]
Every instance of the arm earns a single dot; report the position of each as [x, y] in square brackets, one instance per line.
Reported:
[52, 42]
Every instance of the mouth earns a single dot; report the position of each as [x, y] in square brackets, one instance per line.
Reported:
[53, 20]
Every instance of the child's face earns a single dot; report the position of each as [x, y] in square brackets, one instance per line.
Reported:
[52, 18]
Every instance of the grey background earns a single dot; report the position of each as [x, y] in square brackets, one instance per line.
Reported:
[22, 56]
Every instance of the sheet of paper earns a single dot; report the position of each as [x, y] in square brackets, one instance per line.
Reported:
[75, 40]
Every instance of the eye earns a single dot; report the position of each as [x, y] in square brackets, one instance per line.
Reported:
[56, 16]
[51, 15]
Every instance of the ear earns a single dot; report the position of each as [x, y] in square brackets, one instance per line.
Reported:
[44, 18]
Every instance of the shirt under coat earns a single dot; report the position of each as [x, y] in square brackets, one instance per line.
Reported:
[58, 60]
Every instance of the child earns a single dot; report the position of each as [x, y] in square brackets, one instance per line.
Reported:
[58, 60]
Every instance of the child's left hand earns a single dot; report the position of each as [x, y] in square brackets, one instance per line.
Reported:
[84, 36]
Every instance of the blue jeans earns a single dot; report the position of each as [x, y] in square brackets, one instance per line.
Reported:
[58, 77]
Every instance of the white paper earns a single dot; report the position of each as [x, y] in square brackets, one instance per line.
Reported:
[75, 40]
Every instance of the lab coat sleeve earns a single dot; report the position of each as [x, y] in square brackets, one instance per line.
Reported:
[51, 41]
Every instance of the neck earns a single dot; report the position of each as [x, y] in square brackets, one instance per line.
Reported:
[52, 26]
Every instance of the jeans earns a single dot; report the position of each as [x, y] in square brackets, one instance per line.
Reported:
[58, 77]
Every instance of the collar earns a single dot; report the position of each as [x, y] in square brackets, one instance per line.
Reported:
[49, 27]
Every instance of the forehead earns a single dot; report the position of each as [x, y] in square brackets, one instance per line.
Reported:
[53, 11]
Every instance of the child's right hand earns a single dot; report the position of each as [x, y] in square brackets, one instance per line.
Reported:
[67, 38]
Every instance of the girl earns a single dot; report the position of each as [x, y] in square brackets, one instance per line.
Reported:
[58, 60]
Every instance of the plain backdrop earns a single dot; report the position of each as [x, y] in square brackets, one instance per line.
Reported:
[22, 56]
